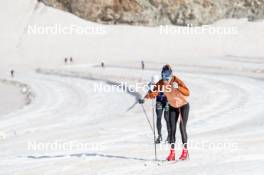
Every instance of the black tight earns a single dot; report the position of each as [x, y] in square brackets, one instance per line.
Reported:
[160, 107]
[173, 118]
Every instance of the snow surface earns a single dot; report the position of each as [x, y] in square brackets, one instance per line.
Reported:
[13, 98]
[224, 73]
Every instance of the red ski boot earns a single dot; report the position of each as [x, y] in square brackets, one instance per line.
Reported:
[184, 154]
[171, 157]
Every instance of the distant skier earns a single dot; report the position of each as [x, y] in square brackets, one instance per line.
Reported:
[102, 64]
[12, 73]
[142, 65]
[162, 106]
[65, 60]
[177, 93]
[71, 60]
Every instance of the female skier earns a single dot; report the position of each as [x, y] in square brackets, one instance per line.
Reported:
[177, 95]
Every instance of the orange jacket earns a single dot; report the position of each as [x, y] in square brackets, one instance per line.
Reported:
[176, 97]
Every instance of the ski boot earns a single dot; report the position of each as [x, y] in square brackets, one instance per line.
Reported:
[168, 140]
[171, 157]
[159, 139]
[185, 154]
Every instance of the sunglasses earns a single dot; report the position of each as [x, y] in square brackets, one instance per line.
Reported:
[166, 75]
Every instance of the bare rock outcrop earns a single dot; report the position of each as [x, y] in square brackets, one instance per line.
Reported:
[158, 12]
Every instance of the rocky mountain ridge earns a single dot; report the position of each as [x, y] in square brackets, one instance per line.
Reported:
[160, 12]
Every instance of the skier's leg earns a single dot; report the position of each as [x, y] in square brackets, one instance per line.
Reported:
[159, 111]
[173, 117]
[184, 116]
[166, 116]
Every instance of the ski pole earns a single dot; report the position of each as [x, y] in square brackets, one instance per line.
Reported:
[154, 129]
[146, 115]
[141, 101]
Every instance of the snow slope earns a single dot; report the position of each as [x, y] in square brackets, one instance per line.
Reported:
[120, 43]
[225, 75]
[13, 98]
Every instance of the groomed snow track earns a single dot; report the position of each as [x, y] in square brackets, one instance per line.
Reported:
[224, 108]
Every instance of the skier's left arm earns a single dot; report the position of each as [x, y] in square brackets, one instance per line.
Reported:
[182, 88]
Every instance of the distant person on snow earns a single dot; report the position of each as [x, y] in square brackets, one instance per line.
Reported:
[102, 64]
[177, 93]
[162, 106]
[142, 65]
[66, 60]
[12, 73]
[71, 60]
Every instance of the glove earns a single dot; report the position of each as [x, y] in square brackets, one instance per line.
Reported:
[150, 87]
[175, 85]
[141, 101]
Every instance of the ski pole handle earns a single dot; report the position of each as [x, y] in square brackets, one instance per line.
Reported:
[141, 101]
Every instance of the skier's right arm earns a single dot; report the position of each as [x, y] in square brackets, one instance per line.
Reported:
[153, 93]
